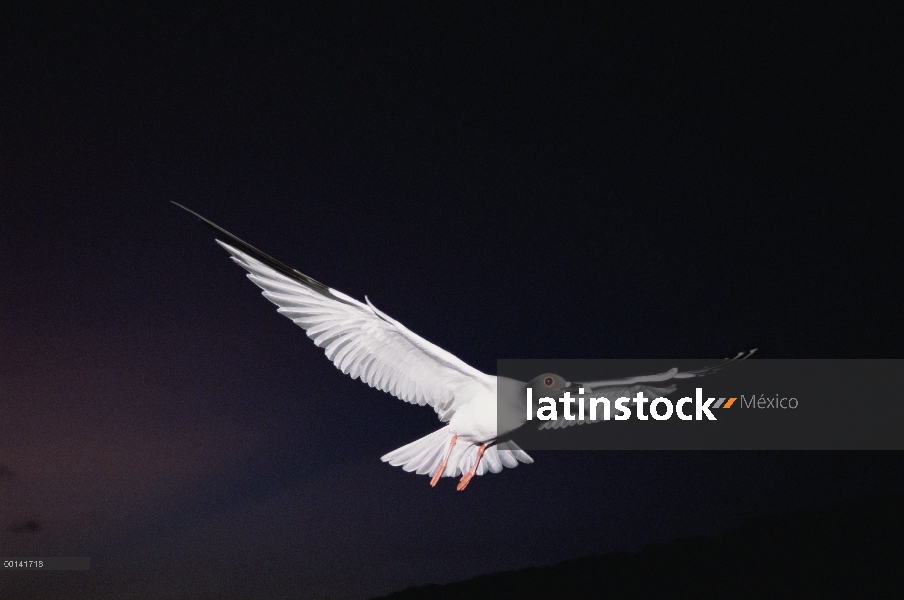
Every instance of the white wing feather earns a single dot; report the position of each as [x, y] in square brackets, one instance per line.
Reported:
[367, 344]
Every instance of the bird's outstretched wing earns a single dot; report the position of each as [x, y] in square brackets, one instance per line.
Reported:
[629, 387]
[359, 339]
[670, 374]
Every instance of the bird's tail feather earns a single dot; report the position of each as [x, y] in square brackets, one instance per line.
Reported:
[424, 456]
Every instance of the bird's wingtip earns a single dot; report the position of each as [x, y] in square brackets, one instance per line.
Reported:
[186, 209]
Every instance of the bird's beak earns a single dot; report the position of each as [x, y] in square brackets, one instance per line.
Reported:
[573, 387]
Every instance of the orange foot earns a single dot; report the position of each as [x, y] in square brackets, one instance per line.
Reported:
[442, 465]
[470, 474]
[465, 481]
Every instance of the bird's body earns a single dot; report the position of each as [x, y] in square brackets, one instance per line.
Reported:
[475, 421]
[367, 344]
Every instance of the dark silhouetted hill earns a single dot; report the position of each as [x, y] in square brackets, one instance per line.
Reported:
[850, 550]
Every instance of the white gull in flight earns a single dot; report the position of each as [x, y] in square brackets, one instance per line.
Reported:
[367, 344]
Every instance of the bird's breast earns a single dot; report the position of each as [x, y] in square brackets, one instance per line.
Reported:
[476, 420]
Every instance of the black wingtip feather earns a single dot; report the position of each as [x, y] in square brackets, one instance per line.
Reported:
[268, 260]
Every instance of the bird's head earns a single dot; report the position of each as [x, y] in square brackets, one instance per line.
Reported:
[550, 384]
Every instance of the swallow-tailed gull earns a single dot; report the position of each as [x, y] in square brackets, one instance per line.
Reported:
[367, 344]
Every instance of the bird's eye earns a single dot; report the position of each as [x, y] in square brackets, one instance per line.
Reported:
[548, 381]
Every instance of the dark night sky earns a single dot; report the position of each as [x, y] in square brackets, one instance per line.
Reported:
[682, 183]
